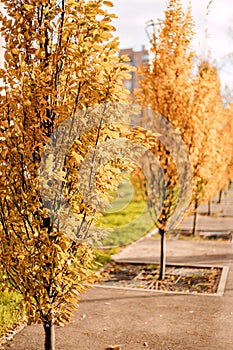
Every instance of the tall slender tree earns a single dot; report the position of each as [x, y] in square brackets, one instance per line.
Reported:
[60, 58]
[207, 150]
[165, 87]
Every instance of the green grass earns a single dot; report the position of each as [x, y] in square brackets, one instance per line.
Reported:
[128, 219]
[10, 313]
[103, 256]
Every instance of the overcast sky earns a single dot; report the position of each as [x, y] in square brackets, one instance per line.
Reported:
[134, 13]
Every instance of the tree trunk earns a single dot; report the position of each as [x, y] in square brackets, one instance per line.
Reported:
[195, 217]
[162, 254]
[209, 207]
[219, 197]
[49, 335]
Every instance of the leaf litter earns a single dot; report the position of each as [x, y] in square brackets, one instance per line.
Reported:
[146, 276]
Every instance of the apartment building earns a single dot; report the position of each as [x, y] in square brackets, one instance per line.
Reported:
[137, 58]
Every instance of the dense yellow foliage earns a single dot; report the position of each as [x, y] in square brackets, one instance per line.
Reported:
[188, 97]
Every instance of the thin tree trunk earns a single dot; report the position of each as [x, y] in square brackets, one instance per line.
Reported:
[220, 197]
[162, 254]
[49, 336]
[209, 207]
[195, 217]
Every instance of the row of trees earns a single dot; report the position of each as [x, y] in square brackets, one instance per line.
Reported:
[61, 60]
[185, 90]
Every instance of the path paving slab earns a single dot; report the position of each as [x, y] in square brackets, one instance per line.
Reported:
[179, 251]
[208, 223]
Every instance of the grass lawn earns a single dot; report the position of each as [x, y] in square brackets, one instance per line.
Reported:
[127, 219]
[10, 313]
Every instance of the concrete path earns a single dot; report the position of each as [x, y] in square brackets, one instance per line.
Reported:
[191, 251]
[205, 223]
[179, 251]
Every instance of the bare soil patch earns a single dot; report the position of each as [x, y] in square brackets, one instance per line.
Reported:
[179, 279]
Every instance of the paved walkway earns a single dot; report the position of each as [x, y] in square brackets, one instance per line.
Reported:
[179, 251]
[139, 320]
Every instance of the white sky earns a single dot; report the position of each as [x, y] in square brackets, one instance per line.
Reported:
[134, 13]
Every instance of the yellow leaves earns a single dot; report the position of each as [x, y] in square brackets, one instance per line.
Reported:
[125, 58]
[27, 103]
[97, 47]
[192, 104]
[15, 51]
[106, 27]
[108, 3]
[40, 53]
[28, 7]
[92, 4]
[125, 75]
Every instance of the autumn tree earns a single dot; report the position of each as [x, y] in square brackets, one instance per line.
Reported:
[165, 88]
[225, 176]
[207, 138]
[189, 101]
[60, 61]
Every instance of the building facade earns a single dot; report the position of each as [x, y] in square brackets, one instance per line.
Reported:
[137, 58]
